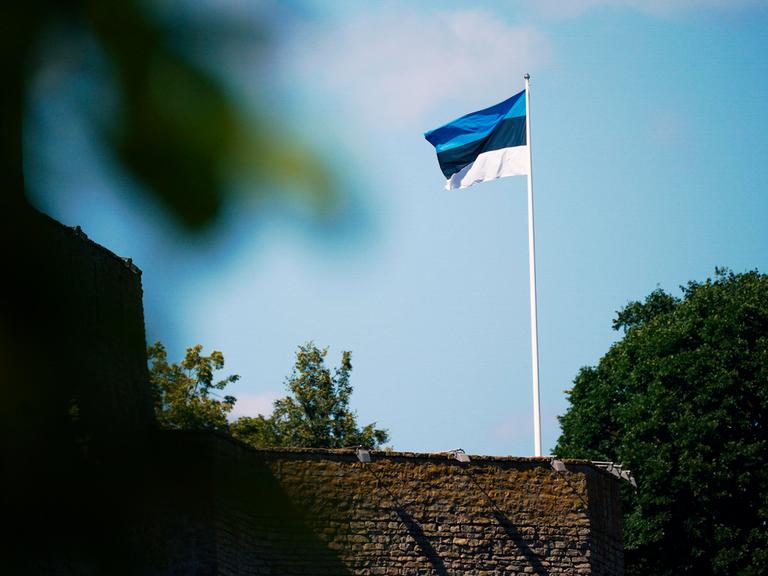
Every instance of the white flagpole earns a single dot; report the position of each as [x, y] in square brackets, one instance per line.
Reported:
[532, 266]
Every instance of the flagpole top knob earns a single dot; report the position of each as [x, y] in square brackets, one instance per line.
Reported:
[527, 76]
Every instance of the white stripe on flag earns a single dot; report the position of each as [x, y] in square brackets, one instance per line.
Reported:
[491, 165]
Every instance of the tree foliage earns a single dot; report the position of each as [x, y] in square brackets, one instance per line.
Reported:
[316, 413]
[185, 394]
[682, 400]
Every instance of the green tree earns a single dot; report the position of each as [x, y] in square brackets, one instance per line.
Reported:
[316, 413]
[682, 400]
[184, 393]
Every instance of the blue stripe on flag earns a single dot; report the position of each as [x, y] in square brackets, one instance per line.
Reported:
[476, 125]
[508, 133]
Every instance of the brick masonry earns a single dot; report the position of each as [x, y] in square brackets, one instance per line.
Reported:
[323, 512]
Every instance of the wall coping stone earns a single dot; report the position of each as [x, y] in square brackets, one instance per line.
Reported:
[348, 454]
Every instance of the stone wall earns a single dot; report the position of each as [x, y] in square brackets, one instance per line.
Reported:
[94, 489]
[605, 519]
[323, 512]
[78, 349]
[76, 406]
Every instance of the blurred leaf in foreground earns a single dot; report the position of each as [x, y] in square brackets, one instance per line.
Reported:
[177, 130]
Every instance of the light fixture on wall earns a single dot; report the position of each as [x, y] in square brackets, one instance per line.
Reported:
[557, 465]
[617, 470]
[362, 454]
[459, 455]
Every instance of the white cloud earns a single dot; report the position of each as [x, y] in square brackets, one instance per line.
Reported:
[395, 65]
[569, 8]
[254, 404]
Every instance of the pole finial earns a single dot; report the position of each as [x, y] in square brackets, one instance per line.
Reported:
[527, 76]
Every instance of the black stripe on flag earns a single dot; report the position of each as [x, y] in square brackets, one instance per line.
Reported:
[509, 133]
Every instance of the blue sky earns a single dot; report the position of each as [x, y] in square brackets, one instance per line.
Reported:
[650, 168]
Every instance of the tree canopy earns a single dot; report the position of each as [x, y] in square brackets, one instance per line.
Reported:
[316, 412]
[682, 400]
[185, 394]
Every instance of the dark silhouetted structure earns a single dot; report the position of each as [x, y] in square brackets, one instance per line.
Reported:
[95, 489]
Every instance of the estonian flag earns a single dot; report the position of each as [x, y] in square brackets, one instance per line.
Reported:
[483, 145]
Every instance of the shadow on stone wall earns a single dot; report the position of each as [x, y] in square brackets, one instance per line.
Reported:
[512, 532]
[212, 509]
[415, 532]
[414, 529]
